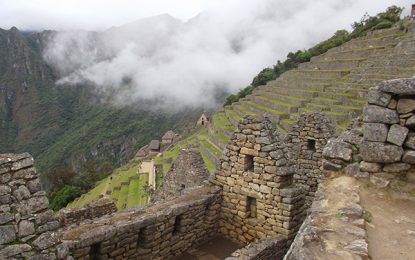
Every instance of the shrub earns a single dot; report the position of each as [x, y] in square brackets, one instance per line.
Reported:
[63, 196]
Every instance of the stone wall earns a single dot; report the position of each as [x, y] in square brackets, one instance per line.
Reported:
[187, 172]
[92, 210]
[268, 178]
[26, 224]
[389, 127]
[160, 231]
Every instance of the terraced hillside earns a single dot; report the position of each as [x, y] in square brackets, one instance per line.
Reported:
[126, 187]
[336, 82]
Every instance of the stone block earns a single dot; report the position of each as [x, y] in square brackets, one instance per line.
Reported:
[370, 167]
[410, 122]
[7, 234]
[397, 134]
[396, 167]
[376, 97]
[405, 105]
[375, 132]
[410, 141]
[398, 86]
[376, 114]
[380, 152]
[409, 157]
[248, 151]
[336, 149]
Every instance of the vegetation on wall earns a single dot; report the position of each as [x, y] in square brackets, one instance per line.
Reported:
[366, 24]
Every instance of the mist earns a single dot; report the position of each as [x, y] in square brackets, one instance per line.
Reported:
[187, 63]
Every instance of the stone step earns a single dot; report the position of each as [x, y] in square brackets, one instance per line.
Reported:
[391, 61]
[373, 78]
[385, 70]
[317, 73]
[291, 99]
[347, 109]
[332, 64]
[364, 43]
[353, 54]
[304, 83]
[306, 94]
[232, 116]
[317, 106]
[274, 104]
[326, 101]
[265, 110]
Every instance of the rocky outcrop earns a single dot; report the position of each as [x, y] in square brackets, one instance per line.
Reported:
[334, 229]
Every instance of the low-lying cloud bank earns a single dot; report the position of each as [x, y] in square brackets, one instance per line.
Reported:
[186, 63]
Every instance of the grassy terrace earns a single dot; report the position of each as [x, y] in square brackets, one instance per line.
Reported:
[245, 110]
[136, 191]
[265, 108]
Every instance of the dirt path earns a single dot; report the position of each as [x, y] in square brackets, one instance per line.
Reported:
[148, 166]
[391, 233]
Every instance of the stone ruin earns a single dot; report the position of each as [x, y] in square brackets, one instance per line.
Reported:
[259, 194]
[187, 172]
[385, 143]
[269, 179]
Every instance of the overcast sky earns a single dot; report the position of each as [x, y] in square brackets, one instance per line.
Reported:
[102, 14]
[178, 62]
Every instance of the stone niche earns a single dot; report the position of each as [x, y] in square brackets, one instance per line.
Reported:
[389, 127]
[268, 178]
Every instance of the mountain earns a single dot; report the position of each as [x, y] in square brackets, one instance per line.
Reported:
[64, 126]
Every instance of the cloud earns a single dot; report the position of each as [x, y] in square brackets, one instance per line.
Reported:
[186, 63]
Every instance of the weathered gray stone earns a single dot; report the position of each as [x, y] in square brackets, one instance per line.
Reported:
[330, 166]
[375, 132]
[4, 189]
[5, 217]
[34, 185]
[410, 122]
[410, 141]
[409, 157]
[370, 167]
[46, 240]
[397, 134]
[13, 250]
[358, 246]
[62, 250]
[21, 193]
[7, 234]
[406, 105]
[26, 228]
[396, 167]
[380, 152]
[376, 114]
[377, 97]
[354, 136]
[26, 162]
[336, 149]
[398, 86]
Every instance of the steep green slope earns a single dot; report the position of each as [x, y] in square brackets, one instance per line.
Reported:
[66, 126]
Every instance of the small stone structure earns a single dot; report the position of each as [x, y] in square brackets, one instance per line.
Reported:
[187, 172]
[204, 119]
[168, 137]
[269, 179]
[143, 152]
[154, 146]
[389, 127]
[413, 11]
[91, 210]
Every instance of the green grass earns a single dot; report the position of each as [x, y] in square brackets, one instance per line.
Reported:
[122, 197]
[266, 108]
[210, 165]
[212, 149]
[245, 110]
[277, 102]
[136, 192]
